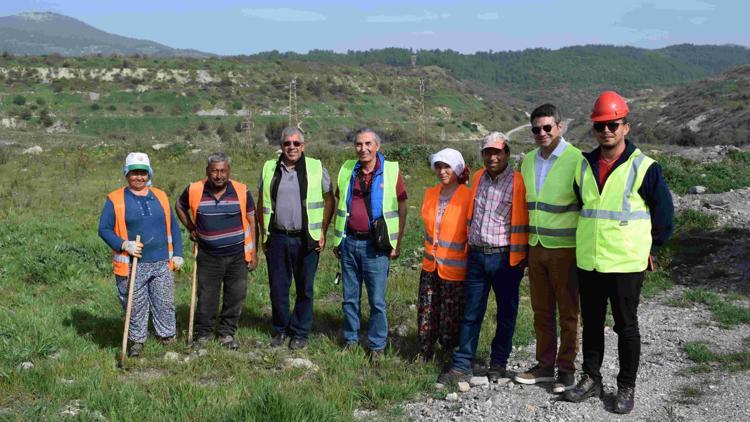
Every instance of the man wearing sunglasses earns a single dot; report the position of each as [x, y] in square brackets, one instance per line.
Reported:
[626, 212]
[553, 215]
[296, 201]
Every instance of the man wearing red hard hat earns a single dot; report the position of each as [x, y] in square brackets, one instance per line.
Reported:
[626, 212]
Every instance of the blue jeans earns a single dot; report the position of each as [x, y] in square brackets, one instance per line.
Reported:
[362, 261]
[487, 271]
[288, 257]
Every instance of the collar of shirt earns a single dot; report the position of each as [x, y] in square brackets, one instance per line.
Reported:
[503, 174]
[556, 152]
[147, 197]
[207, 189]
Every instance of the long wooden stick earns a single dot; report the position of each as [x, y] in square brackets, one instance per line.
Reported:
[192, 295]
[129, 309]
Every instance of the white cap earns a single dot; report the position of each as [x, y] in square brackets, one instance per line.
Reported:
[451, 157]
[137, 161]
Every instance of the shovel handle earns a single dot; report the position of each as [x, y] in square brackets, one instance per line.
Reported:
[129, 308]
[192, 296]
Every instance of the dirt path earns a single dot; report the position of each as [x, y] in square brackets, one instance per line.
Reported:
[666, 391]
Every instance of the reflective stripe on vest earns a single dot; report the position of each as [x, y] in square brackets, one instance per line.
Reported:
[519, 216]
[553, 212]
[121, 259]
[449, 252]
[314, 204]
[390, 200]
[195, 193]
[614, 228]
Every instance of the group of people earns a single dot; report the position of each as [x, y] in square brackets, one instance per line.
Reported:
[585, 224]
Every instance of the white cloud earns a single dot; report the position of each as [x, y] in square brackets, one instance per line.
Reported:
[426, 16]
[490, 16]
[425, 33]
[698, 20]
[284, 15]
[683, 5]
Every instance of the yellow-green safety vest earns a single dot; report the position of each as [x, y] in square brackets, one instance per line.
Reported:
[314, 204]
[390, 201]
[553, 212]
[614, 227]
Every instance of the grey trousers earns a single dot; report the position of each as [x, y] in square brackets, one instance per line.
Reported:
[153, 294]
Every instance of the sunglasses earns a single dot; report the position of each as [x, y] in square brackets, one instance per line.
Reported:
[612, 126]
[292, 143]
[536, 130]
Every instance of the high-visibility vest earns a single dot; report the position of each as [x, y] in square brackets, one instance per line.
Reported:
[614, 228]
[519, 216]
[195, 193]
[553, 212]
[313, 204]
[121, 259]
[448, 251]
[389, 206]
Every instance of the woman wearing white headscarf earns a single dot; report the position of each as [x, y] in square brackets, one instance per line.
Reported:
[139, 209]
[444, 212]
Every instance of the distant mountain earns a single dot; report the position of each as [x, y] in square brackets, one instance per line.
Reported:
[37, 33]
[712, 111]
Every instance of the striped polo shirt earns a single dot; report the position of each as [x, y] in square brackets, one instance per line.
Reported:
[218, 221]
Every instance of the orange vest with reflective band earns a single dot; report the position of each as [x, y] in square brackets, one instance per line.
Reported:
[121, 259]
[449, 251]
[195, 192]
[519, 216]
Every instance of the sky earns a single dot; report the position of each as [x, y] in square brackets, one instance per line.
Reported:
[231, 27]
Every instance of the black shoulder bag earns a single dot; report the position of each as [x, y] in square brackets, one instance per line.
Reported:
[378, 228]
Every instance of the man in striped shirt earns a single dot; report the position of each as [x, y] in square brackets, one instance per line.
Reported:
[219, 213]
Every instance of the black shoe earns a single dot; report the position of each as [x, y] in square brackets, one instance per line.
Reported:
[587, 387]
[168, 340]
[453, 376]
[297, 343]
[625, 399]
[278, 340]
[200, 341]
[135, 350]
[498, 374]
[229, 342]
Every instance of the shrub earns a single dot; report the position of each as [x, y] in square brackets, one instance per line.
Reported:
[19, 100]
[148, 109]
[202, 126]
[95, 107]
[111, 107]
[237, 105]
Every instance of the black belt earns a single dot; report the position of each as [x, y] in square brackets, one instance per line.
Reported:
[358, 235]
[487, 250]
[287, 232]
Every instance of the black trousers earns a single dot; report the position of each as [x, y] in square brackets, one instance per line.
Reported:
[623, 291]
[215, 272]
[288, 257]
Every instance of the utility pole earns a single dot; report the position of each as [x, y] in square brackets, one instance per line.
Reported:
[293, 121]
[420, 123]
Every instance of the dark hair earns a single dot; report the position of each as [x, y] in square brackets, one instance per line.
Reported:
[546, 110]
[463, 178]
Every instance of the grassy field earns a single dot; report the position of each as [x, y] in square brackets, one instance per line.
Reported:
[60, 312]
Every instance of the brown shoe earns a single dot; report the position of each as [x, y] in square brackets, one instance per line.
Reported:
[168, 340]
[536, 375]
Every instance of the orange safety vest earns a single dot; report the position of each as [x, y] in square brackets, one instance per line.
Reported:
[519, 216]
[449, 251]
[121, 259]
[195, 192]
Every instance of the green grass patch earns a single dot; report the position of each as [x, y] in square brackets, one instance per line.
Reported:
[700, 353]
[731, 173]
[726, 313]
[692, 220]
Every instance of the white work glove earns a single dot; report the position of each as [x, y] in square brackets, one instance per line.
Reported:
[132, 247]
[178, 262]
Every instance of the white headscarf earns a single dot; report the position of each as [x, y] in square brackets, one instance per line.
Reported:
[451, 157]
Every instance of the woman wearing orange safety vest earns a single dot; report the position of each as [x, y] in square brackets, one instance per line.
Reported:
[444, 212]
[139, 209]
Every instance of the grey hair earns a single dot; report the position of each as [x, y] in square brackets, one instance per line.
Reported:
[291, 131]
[218, 157]
[364, 130]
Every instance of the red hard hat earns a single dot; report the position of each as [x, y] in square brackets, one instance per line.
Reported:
[609, 106]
